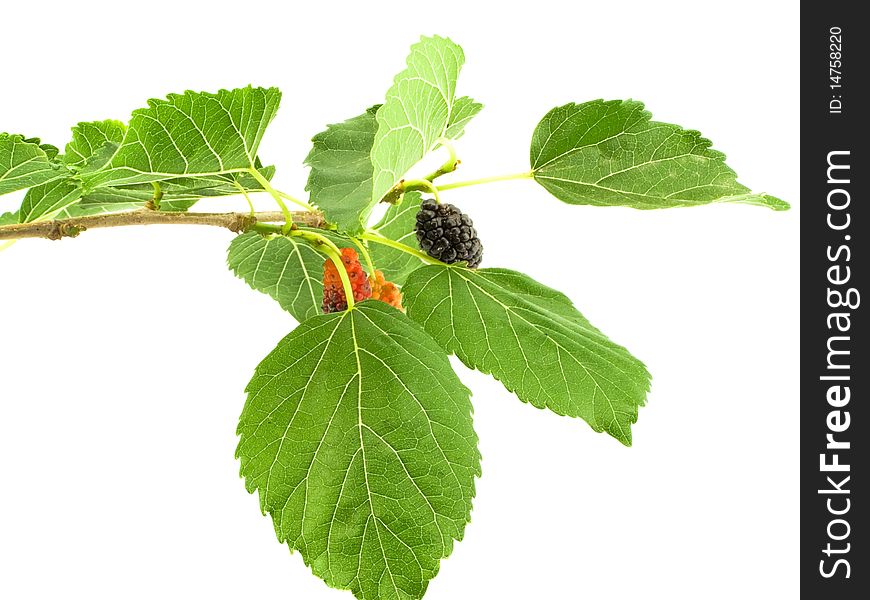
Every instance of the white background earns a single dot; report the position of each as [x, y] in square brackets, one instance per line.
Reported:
[124, 353]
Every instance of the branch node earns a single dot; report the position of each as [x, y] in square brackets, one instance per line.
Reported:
[394, 195]
[55, 231]
[241, 223]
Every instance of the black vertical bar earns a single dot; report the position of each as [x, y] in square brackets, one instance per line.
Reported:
[835, 363]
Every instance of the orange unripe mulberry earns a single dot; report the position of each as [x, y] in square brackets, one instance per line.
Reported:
[334, 299]
[386, 291]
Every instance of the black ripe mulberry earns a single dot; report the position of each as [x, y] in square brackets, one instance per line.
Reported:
[446, 233]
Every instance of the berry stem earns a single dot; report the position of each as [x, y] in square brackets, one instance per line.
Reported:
[421, 184]
[461, 184]
[326, 246]
[365, 254]
[377, 238]
[316, 238]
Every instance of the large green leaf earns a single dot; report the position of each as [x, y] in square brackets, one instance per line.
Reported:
[46, 200]
[178, 194]
[609, 153]
[358, 436]
[93, 144]
[182, 192]
[140, 193]
[398, 224]
[119, 199]
[288, 269]
[195, 188]
[50, 150]
[195, 134]
[532, 339]
[416, 112]
[340, 180]
[25, 163]
[464, 109]
[87, 207]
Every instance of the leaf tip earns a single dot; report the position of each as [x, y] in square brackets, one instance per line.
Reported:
[775, 203]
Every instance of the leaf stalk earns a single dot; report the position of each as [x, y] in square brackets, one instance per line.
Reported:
[288, 217]
[510, 177]
[296, 201]
[449, 166]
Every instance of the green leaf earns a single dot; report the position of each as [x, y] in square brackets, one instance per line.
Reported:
[119, 199]
[340, 181]
[25, 163]
[133, 194]
[532, 339]
[464, 109]
[88, 206]
[50, 151]
[93, 144]
[220, 185]
[8, 218]
[46, 200]
[177, 205]
[191, 134]
[358, 436]
[416, 112]
[398, 224]
[179, 194]
[609, 153]
[286, 268]
[196, 188]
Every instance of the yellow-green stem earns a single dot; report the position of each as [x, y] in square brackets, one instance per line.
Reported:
[460, 184]
[365, 254]
[326, 246]
[244, 193]
[422, 184]
[379, 239]
[296, 201]
[288, 218]
[449, 166]
[158, 194]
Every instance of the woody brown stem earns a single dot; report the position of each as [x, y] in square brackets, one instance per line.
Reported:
[235, 221]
